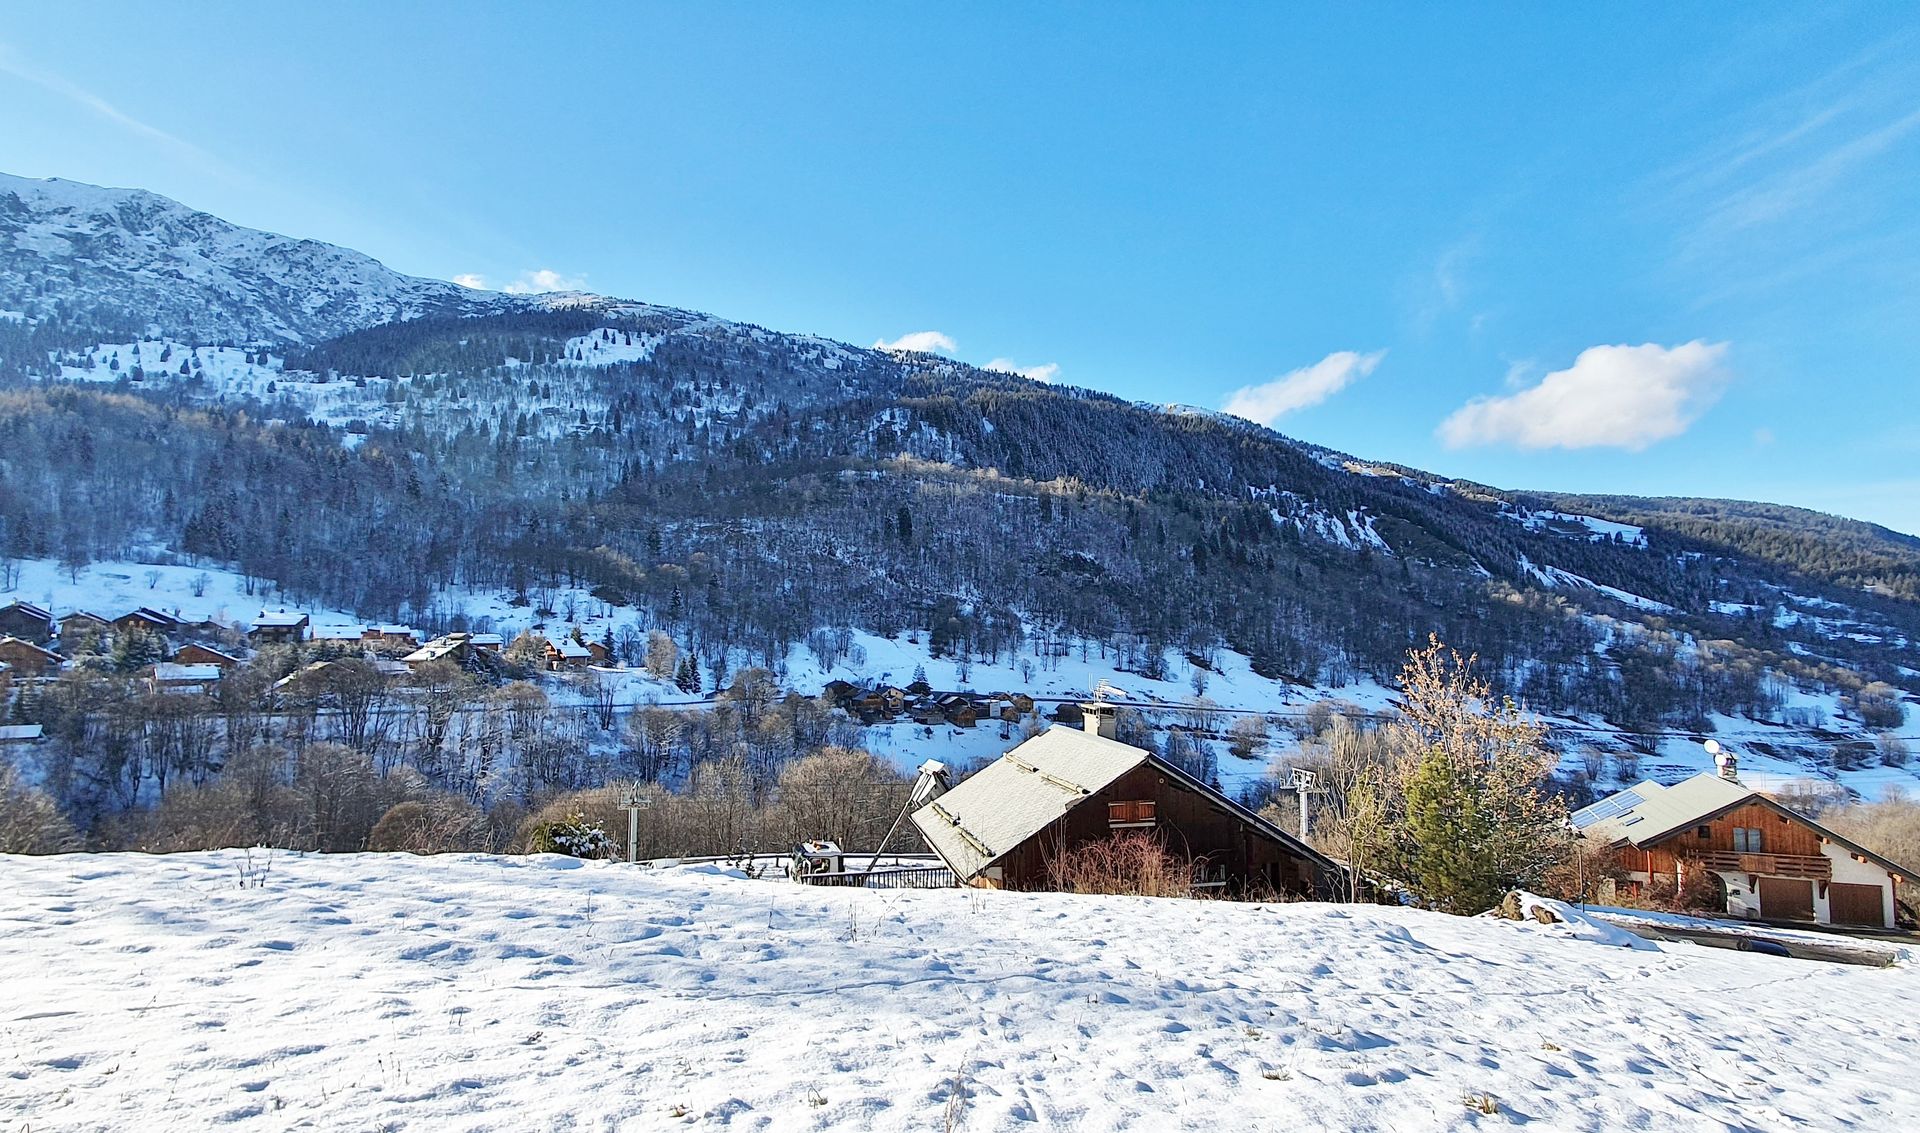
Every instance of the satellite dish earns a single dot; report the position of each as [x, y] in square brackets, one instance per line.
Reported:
[1712, 746]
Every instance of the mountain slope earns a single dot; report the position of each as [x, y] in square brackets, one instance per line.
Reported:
[134, 259]
[748, 491]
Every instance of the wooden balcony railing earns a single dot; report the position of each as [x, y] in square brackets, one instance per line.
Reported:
[1813, 867]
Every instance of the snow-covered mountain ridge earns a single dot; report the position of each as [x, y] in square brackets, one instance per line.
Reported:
[129, 257]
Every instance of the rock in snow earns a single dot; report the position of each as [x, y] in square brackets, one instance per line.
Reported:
[468, 992]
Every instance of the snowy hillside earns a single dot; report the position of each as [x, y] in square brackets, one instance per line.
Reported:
[134, 257]
[481, 993]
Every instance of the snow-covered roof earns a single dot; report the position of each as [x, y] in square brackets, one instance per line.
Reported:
[1021, 794]
[485, 640]
[567, 647]
[1647, 812]
[20, 733]
[279, 619]
[44, 652]
[168, 672]
[28, 608]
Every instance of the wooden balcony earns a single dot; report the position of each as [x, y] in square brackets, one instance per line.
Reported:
[1812, 867]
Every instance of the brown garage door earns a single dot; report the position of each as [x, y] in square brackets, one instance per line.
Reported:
[1856, 904]
[1785, 899]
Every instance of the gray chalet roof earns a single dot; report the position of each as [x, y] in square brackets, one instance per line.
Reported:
[1020, 794]
[1647, 812]
[1035, 784]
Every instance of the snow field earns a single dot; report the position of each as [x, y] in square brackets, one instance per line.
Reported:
[476, 993]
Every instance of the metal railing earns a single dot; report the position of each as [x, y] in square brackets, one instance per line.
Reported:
[939, 877]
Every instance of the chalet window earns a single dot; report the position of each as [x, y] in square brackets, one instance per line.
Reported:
[1703, 832]
[1746, 840]
[1136, 812]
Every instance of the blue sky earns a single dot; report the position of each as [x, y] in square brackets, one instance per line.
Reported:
[1639, 250]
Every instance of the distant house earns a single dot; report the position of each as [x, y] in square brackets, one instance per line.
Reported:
[453, 647]
[601, 654]
[195, 653]
[6, 680]
[391, 637]
[958, 709]
[26, 621]
[27, 659]
[81, 625]
[837, 693]
[1765, 861]
[146, 619]
[337, 636]
[487, 642]
[278, 627]
[567, 653]
[1068, 786]
[171, 677]
[893, 697]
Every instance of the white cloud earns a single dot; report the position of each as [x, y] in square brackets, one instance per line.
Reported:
[1616, 396]
[1302, 388]
[529, 282]
[920, 342]
[545, 279]
[1041, 373]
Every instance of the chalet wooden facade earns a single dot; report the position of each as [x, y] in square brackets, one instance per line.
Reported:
[278, 627]
[27, 622]
[1766, 861]
[1067, 787]
[80, 626]
[28, 660]
[146, 619]
[195, 653]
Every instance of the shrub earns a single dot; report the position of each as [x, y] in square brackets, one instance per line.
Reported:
[441, 825]
[30, 822]
[1133, 864]
[573, 836]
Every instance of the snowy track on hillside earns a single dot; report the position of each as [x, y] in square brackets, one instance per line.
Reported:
[387, 992]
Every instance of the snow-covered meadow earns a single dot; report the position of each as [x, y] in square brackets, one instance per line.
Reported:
[388, 992]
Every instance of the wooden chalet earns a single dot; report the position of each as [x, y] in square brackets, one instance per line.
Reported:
[195, 653]
[1070, 786]
[170, 676]
[28, 660]
[27, 622]
[6, 681]
[958, 709]
[146, 619]
[454, 647]
[567, 654]
[404, 639]
[80, 625]
[278, 627]
[487, 642]
[838, 693]
[600, 654]
[1767, 862]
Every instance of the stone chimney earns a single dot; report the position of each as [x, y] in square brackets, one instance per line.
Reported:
[1098, 717]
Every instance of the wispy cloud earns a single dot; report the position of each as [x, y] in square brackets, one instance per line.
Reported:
[13, 65]
[920, 342]
[1302, 388]
[1042, 373]
[1814, 181]
[535, 282]
[1625, 397]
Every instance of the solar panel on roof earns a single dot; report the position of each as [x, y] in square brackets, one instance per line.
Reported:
[1606, 808]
